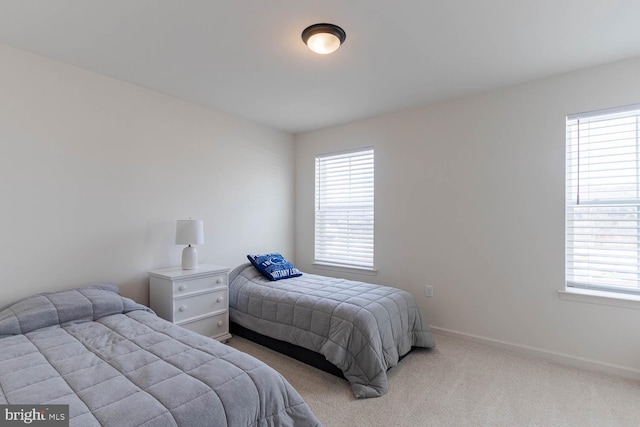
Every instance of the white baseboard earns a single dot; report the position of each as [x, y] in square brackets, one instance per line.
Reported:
[565, 359]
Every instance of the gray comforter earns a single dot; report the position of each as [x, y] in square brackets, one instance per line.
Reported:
[361, 328]
[118, 364]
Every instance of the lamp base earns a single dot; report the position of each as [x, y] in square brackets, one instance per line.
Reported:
[189, 258]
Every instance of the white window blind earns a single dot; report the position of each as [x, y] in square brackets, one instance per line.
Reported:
[603, 200]
[344, 209]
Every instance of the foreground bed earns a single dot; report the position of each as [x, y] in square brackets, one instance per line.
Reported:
[115, 363]
[362, 329]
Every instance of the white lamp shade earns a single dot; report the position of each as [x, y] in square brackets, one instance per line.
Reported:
[190, 232]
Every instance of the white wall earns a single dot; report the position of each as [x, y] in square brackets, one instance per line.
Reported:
[470, 199]
[94, 173]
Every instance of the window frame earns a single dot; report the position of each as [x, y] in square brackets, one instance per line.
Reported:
[324, 260]
[587, 292]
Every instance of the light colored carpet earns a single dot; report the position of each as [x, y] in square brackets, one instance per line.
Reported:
[462, 383]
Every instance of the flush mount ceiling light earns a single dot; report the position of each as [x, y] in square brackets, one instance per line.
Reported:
[323, 38]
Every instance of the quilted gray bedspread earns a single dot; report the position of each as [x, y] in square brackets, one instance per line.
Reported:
[115, 363]
[361, 328]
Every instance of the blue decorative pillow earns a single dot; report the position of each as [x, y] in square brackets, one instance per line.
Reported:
[274, 266]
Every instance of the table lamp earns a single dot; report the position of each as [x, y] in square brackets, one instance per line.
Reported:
[189, 232]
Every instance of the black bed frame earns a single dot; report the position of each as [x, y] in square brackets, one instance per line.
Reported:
[299, 353]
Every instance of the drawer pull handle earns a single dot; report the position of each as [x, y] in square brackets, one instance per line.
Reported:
[219, 299]
[182, 308]
[182, 287]
[220, 323]
[218, 281]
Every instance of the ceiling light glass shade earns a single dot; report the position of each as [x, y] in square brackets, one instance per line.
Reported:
[323, 38]
[323, 43]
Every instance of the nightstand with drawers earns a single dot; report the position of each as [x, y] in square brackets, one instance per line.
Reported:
[197, 300]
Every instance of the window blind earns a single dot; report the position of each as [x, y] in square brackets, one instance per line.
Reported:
[344, 209]
[603, 200]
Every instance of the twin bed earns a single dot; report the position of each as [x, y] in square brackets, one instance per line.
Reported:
[114, 362]
[360, 328]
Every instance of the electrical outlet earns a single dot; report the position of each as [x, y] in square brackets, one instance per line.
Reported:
[428, 290]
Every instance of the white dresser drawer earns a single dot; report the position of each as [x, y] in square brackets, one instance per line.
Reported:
[187, 287]
[213, 326]
[198, 305]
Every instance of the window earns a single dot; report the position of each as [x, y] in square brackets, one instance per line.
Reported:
[344, 209]
[603, 200]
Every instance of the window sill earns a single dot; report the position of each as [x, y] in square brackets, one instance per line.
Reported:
[345, 269]
[600, 297]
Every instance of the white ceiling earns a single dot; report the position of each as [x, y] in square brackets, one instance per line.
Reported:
[246, 57]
